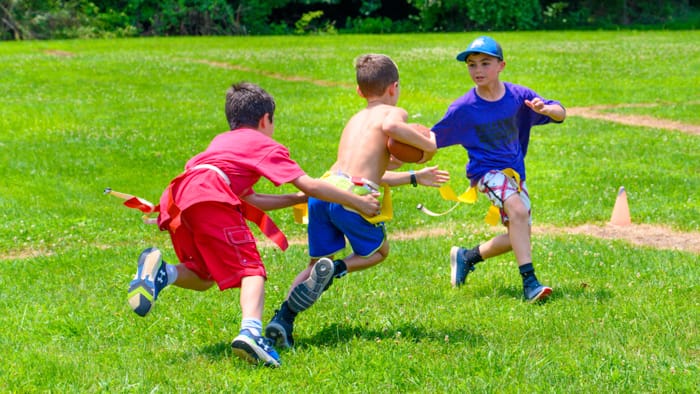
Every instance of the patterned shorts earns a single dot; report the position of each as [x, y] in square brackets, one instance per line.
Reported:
[498, 187]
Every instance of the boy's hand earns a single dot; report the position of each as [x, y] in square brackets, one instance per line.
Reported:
[432, 176]
[368, 204]
[555, 112]
[536, 105]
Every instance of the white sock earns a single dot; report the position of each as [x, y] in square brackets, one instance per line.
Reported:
[171, 271]
[252, 325]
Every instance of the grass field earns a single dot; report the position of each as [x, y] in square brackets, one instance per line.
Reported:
[79, 116]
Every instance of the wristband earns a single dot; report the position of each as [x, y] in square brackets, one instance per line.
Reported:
[414, 180]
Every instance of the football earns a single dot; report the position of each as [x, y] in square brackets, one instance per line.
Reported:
[404, 152]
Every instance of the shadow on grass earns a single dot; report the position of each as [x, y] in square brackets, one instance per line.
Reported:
[336, 334]
[579, 291]
[340, 333]
[217, 351]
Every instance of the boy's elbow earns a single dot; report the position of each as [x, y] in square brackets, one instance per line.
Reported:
[390, 127]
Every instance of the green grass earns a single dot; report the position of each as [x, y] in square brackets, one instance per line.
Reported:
[129, 113]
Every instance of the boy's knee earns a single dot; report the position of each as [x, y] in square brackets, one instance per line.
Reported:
[516, 210]
[384, 251]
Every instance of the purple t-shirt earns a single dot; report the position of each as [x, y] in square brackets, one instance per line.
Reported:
[494, 133]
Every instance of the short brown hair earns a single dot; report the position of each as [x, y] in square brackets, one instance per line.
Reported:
[246, 103]
[374, 73]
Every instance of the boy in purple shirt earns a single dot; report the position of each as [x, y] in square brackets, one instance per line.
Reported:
[492, 122]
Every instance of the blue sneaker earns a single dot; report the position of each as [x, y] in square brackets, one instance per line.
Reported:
[279, 331]
[536, 292]
[255, 349]
[150, 279]
[459, 267]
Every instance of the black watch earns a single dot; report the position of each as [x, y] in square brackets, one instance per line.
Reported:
[414, 180]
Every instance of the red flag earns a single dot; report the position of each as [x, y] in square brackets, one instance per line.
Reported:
[140, 204]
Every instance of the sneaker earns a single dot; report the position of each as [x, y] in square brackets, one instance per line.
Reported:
[279, 331]
[321, 276]
[536, 292]
[150, 279]
[459, 267]
[307, 292]
[255, 349]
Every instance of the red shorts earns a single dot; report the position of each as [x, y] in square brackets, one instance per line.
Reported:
[214, 242]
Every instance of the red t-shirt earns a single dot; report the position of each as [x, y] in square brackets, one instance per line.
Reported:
[244, 155]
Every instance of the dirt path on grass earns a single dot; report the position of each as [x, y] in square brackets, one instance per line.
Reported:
[592, 112]
[596, 112]
[658, 237]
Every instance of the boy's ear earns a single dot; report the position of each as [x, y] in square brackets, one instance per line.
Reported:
[391, 89]
[359, 92]
[264, 121]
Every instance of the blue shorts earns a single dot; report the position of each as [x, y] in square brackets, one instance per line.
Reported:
[331, 223]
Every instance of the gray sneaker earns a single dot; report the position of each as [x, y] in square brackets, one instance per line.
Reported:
[307, 292]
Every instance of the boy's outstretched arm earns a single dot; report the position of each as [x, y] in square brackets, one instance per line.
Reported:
[554, 111]
[368, 204]
[268, 202]
[427, 176]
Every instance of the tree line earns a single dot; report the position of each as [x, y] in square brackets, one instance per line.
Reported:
[57, 19]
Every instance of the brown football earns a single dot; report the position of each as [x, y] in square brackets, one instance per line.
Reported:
[404, 152]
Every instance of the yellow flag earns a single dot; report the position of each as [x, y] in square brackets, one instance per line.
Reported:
[447, 193]
[493, 216]
[301, 213]
[387, 208]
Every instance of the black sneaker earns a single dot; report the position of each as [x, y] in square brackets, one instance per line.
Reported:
[279, 331]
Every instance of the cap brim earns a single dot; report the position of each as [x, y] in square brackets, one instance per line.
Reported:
[464, 55]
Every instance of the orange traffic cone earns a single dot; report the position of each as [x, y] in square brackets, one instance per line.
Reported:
[621, 211]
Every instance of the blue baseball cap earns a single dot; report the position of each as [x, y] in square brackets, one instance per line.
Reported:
[483, 44]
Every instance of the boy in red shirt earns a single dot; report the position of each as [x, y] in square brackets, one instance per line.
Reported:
[205, 210]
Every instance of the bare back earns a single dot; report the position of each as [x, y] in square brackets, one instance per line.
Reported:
[362, 151]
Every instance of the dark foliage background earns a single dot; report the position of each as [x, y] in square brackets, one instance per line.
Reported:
[52, 19]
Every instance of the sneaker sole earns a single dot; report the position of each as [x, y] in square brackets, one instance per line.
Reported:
[141, 293]
[453, 265]
[309, 291]
[278, 334]
[321, 275]
[246, 348]
[546, 291]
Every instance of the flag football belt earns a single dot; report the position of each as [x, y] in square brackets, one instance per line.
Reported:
[493, 215]
[361, 187]
[249, 211]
